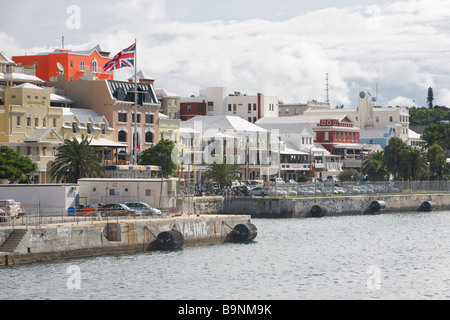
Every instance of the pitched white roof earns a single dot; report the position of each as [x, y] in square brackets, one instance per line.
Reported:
[28, 86]
[222, 122]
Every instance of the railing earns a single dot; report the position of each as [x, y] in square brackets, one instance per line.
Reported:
[14, 69]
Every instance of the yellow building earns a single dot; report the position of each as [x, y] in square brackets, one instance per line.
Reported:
[29, 125]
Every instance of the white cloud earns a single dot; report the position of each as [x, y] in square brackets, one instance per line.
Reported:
[401, 45]
[402, 102]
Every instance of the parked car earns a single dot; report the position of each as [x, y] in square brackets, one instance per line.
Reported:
[113, 209]
[257, 191]
[145, 208]
[10, 207]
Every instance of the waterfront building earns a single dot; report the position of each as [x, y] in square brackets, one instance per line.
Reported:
[299, 154]
[215, 101]
[366, 116]
[73, 64]
[169, 128]
[29, 125]
[86, 122]
[115, 100]
[208, 139]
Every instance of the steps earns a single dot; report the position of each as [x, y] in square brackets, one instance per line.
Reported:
[13, 240]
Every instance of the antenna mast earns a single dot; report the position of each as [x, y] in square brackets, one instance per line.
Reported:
[62, 41]
[327, 90]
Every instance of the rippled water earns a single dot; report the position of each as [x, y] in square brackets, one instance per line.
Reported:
[388, 256]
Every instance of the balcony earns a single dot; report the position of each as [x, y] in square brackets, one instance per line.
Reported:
[14, 69]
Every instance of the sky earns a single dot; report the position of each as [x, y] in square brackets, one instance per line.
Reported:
[395, 50]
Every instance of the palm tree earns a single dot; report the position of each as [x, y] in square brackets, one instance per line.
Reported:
[392, 156]
[415, 162]
[374, 166]
[75, 160]
[224, 174]
[431, 138]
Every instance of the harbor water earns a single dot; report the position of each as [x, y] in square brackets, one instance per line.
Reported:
[386, 256]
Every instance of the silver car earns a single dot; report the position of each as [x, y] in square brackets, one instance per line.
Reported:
[146, 209]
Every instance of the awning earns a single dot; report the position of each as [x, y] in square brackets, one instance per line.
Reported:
[353, 146]
[132, 167]
[106, 143]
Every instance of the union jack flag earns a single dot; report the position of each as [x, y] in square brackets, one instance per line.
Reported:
[124, 58]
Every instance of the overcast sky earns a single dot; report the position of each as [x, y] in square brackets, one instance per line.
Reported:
[280, 48]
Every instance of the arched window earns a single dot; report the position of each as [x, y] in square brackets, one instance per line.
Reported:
[122, 136]
[94, 65]
[149, 137]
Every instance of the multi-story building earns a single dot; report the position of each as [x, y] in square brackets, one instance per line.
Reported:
[208, 139]
[215, 101]
[78, 123]
[73, 64]
[170, 103]
[29, 125]
[297, 109]
[368, 117]
[116, 101]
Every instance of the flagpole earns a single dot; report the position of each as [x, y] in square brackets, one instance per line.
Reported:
[135, 105]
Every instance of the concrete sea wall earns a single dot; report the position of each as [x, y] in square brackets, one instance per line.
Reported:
[301, 207]
[70, 240]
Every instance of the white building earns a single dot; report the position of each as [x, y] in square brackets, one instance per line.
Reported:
[368, 117]
[209, 139]
[249, 107]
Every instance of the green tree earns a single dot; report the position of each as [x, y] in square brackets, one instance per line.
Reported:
[431, 137]
[414, 163]
[349, 175]
[13, 166]
[160, 155]
[430, 98]
[223, 173]
[440, 129]
[437, 160]
[393, 157]
[75, 160]
[374, 166]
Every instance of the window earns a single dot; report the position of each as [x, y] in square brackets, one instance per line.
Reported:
[71, 63]
[149, 137]
[44, 122]
[148, 118]
[122, 117]
[189, 108]
[198, 109]
[29, 151]
[18, 121]
[75, 127]
[94, 66]
[391, 119]
[103, 128]
[90, 128]
[326, 136]
[54, 122]
[138, 117]
[249, 107]
[36, 122]
[122, 136]
[82, 65]
[254, 107]
[229, 107]
[28, 121]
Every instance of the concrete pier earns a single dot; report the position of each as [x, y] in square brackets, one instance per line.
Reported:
[90, 238]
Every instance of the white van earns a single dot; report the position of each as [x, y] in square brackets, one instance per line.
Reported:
[10, 207]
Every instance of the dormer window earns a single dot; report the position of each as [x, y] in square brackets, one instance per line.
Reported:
[90, 128]
[75, 128]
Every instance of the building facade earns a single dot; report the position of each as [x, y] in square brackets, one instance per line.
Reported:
[215, 101]
[115, 101]
[73, 64]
